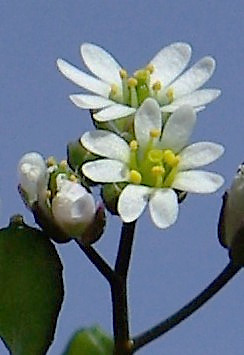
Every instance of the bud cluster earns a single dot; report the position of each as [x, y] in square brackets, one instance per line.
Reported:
[54, 193]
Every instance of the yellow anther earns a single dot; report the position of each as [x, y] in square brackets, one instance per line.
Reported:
[150, 68]
[48, 194]
[114, 90]
[63, 164]
[123, 74]
[155, 155]
[158, 170]
[51, 161]
[141, 74]
[155, 133]
[135, 177]
[134, 145]
[157, 86]
[132, 82]
[170, 94]
[170, 158]
[73, 178]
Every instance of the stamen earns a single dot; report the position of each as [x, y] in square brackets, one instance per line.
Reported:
[150, 68]
[157, 86]
[141, 75]
[48, 194]
[170, 95]
[135, 177]
[73, 178]
[123, 74]
[170, 177]
[134, 145]
[51, 161]
[158, 172]
[63, 164]
[132, 83]
[125, 90]
[155, 133]
[114, 90]
[155, 155]
[170, 158]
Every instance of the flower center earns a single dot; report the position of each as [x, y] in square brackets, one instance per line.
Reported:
[152, 166]
[135, 89]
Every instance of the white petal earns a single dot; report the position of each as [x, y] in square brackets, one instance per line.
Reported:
[33, 174]
[82, 79]
[132, 202]
[170, 62]
[199, 154]
[147, 117]
[178, 128]
[73, 208]
[197, 181]
[101, 63]
[195, 99]
[105, 170]
[90, 101]
[106, 144]
[194, 78]
[113, 112]
[163, 206]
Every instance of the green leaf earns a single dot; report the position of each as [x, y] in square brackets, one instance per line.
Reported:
[90, 341]
[31, 289]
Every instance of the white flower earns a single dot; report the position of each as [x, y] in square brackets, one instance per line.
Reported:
[33, 175]
[73, 207]
[116, 95]
[232, 218]
[153, 166]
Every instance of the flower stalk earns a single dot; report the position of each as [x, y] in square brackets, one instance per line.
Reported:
[161, 328]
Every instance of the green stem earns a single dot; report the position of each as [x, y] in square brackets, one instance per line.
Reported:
[98, 262]
[122, 344]
[161, 328]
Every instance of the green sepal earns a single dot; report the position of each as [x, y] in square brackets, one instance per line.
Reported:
[31, 289]
[76, 156]
[236, 250]
[110, 194]
[90, 341]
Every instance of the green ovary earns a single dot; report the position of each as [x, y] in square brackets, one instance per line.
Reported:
[153, 167]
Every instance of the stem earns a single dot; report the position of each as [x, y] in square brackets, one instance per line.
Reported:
[98, 261]
[221, 280]
[122, 344]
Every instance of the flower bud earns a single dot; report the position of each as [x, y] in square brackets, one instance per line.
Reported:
[95, 229]
[33, 176]
[110, 194]
[231, 222]
[73, 208]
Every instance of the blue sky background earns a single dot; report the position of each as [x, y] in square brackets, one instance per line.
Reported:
[169, 267]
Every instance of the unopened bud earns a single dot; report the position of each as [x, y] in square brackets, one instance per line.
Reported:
[95, 229]
[110, 194]
[73, 208]
[231, 222]
[33, 176]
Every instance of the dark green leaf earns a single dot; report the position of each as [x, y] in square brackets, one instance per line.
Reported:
[31, 289]
[90, 341]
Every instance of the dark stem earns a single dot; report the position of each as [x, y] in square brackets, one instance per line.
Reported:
[98, 262]
[122, 344]
[221, 280]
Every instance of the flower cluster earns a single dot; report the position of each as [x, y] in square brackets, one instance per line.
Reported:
[140, 152]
